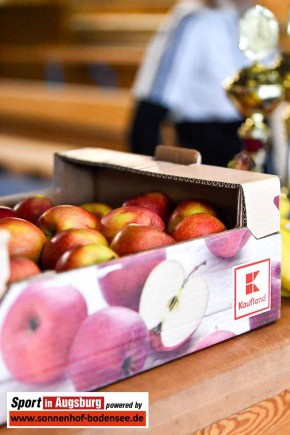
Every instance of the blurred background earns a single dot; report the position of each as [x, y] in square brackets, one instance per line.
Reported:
[66, 72]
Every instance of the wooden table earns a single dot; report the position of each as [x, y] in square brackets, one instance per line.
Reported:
[192, 393]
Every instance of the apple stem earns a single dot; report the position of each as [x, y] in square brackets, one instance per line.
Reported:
[194, 270]
[158, 328]
[34, 324]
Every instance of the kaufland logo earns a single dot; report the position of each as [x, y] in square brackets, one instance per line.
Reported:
[252, 289]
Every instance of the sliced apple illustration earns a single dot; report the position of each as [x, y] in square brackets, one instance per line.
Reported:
[172, 306]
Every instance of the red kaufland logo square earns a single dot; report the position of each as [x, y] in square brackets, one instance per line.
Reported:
[252, 289]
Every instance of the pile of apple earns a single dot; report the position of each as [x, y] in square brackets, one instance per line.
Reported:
[44, 236]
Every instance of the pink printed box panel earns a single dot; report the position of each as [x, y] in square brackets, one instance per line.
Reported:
[87, 328]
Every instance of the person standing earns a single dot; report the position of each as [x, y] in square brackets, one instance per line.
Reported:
[181, 78]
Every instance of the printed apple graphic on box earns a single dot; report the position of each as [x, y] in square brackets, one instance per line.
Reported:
[213, 338]
[110, 345]
[38, 331]
[172, 305]
[229, 244]
[123, 286]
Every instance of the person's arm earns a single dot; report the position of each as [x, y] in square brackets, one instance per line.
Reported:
[144, 134]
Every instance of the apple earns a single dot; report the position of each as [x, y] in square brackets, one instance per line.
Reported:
[118, 218]
[86, 255]
[137, 238]
[171, 306]
[99, 209]
[197, 225]
[26, 239]
[161, 357]
[38, 331]
[64, 217]
[123, 286]
[188, 208]
[33, 207]
[21, 268]
[229, 244]
[66, 240]
[6, 212]
[243, 161]
[154, 201]
[110, 345]
[264, 318]
[213, 338]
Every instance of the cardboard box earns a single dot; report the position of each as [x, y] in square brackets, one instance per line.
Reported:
[58, 331]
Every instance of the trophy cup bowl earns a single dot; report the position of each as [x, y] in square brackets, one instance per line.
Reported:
[256, 89]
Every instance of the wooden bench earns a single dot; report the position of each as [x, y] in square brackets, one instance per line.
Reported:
[78, 114]
[116, 22]
[71, 54]
[121, 5]
[29, 156]
[114, 28]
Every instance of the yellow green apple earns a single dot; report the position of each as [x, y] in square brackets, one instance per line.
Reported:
[186, 209]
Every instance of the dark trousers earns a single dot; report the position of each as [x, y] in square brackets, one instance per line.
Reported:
[217, 142]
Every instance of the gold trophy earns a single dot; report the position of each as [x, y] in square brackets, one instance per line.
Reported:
[257, 90]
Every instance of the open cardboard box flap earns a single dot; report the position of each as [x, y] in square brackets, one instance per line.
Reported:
[96, 174]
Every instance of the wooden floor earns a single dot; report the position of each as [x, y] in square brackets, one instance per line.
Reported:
[243, 384]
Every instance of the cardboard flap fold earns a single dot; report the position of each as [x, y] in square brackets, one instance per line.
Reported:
[262, 214]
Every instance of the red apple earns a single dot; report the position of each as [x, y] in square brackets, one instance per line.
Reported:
[137, 238]
[110, 345]
[66, 240]
[86, 255]
[229, 244]
[38, 331]
[117, 219]
[213, 338]
[6, 212]
[123, 286]
[172, 306]
[64, 217]
[197, 225]
[21, 268]
[188, 208]
[26, 239]
[99, 209]
[33, 207]
[154, 201]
